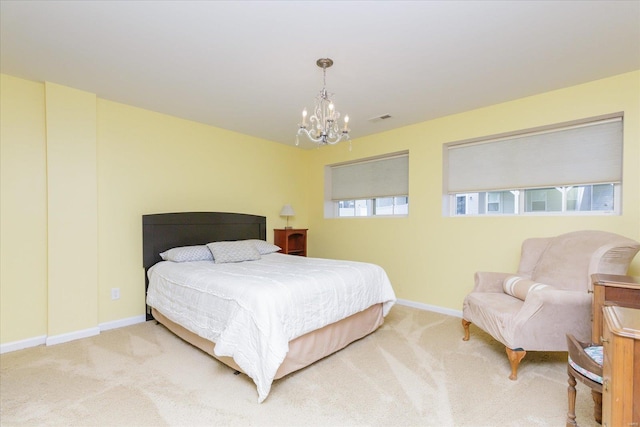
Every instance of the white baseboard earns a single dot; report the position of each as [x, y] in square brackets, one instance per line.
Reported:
[429, 307]
[72, 336]
[114, 324]
[22, 344]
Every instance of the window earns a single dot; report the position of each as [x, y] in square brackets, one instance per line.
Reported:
[372, 187]
[570, 169]
[461, 204]
[493, 201]
[571, 199]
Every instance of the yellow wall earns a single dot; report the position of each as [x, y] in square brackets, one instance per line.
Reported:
[104, 165]
[23, 210]
[72, 210]
[153, 163]
[147, 162]
[431, 259]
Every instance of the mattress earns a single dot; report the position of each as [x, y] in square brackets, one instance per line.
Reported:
[252, 310]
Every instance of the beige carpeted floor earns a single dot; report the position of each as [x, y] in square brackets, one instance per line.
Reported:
[414, 371]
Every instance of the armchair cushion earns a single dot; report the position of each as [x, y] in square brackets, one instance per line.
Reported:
[519, 287]
[518, 324]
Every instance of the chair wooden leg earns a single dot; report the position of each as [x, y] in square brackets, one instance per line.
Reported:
[571, 391]
[465, 325]
[515, 356]
[597, 405]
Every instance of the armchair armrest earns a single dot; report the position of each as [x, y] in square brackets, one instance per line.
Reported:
[559, 304]
[486, 281]
[560, 310]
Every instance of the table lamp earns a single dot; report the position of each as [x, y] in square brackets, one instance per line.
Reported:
[287, 211]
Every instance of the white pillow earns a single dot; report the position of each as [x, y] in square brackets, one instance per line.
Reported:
[264, 247]
[520, 287]
[237, 251]
[187, 253]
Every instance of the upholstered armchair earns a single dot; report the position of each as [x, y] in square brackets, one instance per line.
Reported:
[549, 296]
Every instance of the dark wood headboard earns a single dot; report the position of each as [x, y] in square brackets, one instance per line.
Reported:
[165, 231]
[169, 230]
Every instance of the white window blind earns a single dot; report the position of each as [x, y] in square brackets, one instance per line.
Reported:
[374, 178]
[588, 153]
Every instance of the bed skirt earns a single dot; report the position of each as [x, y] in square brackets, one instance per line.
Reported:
[304, 350]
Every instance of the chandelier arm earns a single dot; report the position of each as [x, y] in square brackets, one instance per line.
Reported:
[324, 139]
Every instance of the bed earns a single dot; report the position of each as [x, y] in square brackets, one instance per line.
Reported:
[267, 316]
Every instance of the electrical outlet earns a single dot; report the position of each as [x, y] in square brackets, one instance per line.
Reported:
[115, 293]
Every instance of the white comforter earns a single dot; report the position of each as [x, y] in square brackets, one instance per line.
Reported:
[252, 309]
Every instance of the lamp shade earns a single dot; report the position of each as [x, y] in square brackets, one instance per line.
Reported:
[287, 210]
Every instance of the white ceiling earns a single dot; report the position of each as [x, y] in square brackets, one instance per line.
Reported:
[250, 66]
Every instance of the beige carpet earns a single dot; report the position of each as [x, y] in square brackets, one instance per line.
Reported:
[414, 371]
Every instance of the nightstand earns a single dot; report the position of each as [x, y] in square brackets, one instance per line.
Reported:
[609, 289]
[293, 241]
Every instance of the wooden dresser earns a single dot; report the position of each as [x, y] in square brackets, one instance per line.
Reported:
[609, 289]
[621, 367]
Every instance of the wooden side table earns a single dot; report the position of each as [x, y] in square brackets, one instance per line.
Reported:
[293, 241]
[609, 289]
[621, 367]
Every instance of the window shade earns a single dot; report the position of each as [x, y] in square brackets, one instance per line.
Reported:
[589, 153]
[383, 177]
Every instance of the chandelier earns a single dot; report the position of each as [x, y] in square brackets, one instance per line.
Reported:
[322, 126]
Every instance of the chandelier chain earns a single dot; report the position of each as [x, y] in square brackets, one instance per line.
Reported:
[324, 76]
